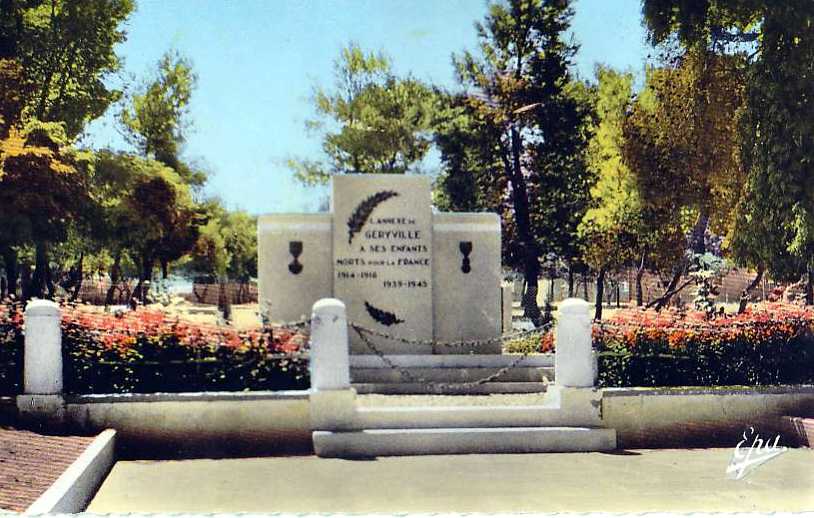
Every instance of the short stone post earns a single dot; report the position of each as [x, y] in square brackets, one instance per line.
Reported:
[330, 363]
[332, 399]
[42, 364]
[574, 360]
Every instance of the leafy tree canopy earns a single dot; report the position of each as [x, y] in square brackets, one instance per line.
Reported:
[66, 50]
[370, 122]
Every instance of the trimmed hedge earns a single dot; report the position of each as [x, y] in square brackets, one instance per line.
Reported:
[144, 352]
[771, 346]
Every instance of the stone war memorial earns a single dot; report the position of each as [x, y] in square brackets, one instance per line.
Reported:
[400, 268]
[405, 301]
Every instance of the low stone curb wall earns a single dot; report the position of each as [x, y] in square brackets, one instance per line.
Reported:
[75, 488]
[197, 424]
[271, 422]
[702, 416]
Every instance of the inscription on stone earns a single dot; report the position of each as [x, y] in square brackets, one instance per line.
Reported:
[399, 268]
[383, 254]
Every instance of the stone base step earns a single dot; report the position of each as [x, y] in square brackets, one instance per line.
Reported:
[446, 441]
[450, 374]
[462, 389]
[443, 400]
[372, 361]
[516, 416]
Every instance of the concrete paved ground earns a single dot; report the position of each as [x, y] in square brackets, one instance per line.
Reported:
[635, 481]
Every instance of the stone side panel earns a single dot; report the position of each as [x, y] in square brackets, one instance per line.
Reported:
[289, 286]
[466, 280]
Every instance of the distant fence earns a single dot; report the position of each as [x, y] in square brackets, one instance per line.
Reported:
[236, 293]
[94, 291]
[621, 288]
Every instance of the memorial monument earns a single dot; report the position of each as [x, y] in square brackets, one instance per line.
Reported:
[401, 268]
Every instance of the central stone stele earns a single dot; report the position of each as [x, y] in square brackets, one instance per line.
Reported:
[400, 268]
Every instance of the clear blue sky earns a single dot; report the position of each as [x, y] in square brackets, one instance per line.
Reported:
[258, 60]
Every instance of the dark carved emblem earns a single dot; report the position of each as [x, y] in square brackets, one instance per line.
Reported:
[381, 316]
[295, 248]
[466, 248]
[363, 211]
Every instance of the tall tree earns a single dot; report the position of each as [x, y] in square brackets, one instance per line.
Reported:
[155, 120]
[520, 87]
[150, 215]
[370, 122]
[774, 218]
[682, 143]
[612, 228]
[43, 188]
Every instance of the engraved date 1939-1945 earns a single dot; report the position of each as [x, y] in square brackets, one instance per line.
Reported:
[404, 284]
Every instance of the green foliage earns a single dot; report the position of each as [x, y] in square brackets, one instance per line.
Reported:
[43, 184]
[66, 51]
[371, 122]
[776, 225]
[227, 246]
[612, 229]
[147, 209]
[681, 143]
[472, 177]
[156, 119]
[704, 269]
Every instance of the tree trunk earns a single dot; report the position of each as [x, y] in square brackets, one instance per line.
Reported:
[38, 279]
[140, 293]
[585, 286]
[25, 284]
[12, 275]
[531, 260]
[668, 293]
[551, 290]
[600, 293]
[80, 276]
[697, 244]
[114, 278]
[639, 276]
[146, 278]
[810, 287]
[618, 295]
[570, 281]
[224, 302]
[165, 269]
[752, 285]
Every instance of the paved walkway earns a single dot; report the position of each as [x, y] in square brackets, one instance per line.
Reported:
[644, 480]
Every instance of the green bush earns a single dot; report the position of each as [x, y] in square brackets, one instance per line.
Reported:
[749, 350]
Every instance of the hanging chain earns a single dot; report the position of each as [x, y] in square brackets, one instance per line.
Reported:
[363, 335]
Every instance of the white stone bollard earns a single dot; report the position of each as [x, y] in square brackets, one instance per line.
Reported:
[574, 360]
[330, 363]
[42, 365]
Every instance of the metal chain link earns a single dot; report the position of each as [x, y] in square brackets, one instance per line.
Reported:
[362, 332]
[453, 344]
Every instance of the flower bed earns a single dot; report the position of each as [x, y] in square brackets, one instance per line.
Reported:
[144, 351]
[771, 344]
[11, 349]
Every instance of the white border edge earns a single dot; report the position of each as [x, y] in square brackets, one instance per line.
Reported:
[76, 486]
